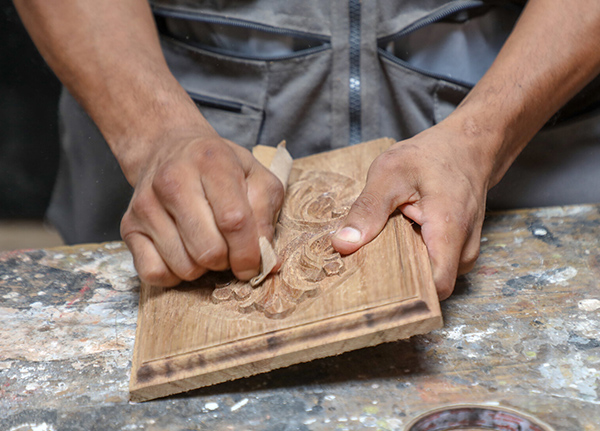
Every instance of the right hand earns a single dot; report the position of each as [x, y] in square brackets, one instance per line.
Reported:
[200, 204]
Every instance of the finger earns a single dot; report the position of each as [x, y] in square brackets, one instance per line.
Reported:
[148, 217]
[147, 261]
[470, 251]
[225, 188]
[371, 210]
[179, 190]
[445, 235]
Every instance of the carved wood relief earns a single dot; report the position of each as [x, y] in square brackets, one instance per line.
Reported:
[313, 207]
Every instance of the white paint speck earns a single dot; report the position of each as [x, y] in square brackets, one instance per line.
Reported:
[562, 275]
[31, 387]
[342, 419]
[329, 397]
[564, 211]
[33, 427]
[474, 337]
[113, 245]
[374, 386]
[309, 421]
[589, 304]
[41, 293]
[368, 421]
[239, 404]
[211, 406]
[456, 333]
[540, 231]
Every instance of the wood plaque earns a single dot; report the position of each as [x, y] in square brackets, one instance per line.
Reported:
[319, 303]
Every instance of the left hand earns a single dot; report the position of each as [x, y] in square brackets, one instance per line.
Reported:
[438, 179]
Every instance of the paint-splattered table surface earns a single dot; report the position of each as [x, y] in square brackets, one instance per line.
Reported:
[522, 330]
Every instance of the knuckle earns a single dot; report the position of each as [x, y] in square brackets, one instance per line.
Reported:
[232, 221]
[211, 154]
[168, 182]
[206, 154]
[141, 207]
[387, 161]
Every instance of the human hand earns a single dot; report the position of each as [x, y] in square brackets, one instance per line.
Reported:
[438, 179]
[200, 203]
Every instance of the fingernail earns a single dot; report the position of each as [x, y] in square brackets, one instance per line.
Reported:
[348, 234]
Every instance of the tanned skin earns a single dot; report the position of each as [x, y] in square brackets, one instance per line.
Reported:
[201, 202]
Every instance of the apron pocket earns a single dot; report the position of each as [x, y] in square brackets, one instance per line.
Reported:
[232, 120]
[235, 37]
[457, 43]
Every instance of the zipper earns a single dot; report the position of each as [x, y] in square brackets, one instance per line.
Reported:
[213, 102]
[354, 82]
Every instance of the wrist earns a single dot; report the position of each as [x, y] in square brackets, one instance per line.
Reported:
[148, 123]
[481, 144]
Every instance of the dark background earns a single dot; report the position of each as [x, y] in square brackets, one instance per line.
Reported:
[28, 122]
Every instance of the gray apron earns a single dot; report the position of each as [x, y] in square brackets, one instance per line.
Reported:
[324, 74]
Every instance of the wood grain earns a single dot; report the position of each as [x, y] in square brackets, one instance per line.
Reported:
[319, 304]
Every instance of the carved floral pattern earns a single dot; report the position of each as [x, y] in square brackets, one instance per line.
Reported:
[313, 207]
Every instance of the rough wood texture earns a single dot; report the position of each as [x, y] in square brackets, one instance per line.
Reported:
[319, 303]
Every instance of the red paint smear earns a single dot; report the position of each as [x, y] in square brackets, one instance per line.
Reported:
[487, 271]
[80, 294]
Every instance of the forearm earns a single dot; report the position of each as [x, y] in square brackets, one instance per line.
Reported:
[107, 53]
[553, 52]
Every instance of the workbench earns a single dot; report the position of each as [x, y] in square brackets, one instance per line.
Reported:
[522, 330]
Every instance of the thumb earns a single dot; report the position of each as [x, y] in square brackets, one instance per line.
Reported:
[367, 217]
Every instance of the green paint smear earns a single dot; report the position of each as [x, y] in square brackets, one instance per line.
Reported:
[371, 410]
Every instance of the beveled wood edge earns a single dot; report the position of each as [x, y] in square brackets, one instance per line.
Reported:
[278, 349]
